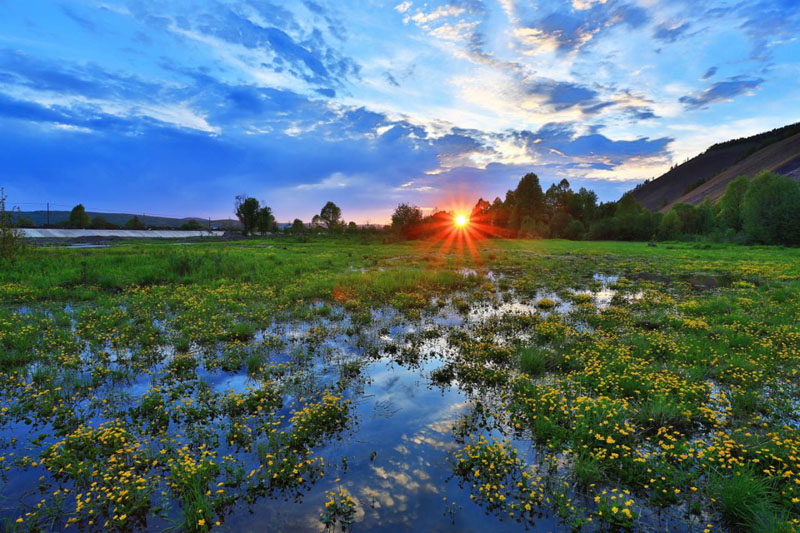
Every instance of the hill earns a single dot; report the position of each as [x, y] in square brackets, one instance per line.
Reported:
[39, 218]
[709, 173]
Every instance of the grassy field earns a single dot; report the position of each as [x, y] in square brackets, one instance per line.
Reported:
[341, 384]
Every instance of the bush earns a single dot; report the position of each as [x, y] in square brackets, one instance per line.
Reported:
[771, 210]
[11, 241]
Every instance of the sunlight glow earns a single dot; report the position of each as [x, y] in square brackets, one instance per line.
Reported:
[461, 221]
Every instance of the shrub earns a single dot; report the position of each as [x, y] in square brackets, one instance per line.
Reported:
[771, 210]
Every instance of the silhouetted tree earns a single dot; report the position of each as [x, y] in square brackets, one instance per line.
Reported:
[527, 200]
[298, 226]
[265, 221]
[247, 212]
[407, 220]
[135, 223]
[102, 223]
[192, 225]
[330, 216]
[78, 217]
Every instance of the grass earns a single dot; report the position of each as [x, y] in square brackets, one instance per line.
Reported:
[676, 396]
[533, 360]
[745, 500]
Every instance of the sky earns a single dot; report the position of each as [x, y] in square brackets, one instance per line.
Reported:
[175, 107]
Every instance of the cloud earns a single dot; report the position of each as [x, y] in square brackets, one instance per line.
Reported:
[79, 19]
[721, 91]
[671, 33]
[310, 101]
[572, 30]
[709, 73]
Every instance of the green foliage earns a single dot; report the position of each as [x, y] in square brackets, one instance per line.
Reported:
[330, 216]
[406, 220]
[685, 219]
[102, 223]
[771, 210]
[730, 205]
[247, 211]
[743, 497]
[135, 223]
[11, 243]
[527, 202]
[297, 226]
[78, 217]
[533, 360]
[192, 225]
[265, 221]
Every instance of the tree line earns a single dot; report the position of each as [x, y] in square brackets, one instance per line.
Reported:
[765, 209]
[258, 218]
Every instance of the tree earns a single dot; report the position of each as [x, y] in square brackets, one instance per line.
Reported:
[134, 223]
[406, 220]
[771, 210]
[24, 222]
[247, 212]
[352, 227]
[331, 216]
[527, 201]
[574, 230]
[631, 221]
[78, 218]
[265, 221]
[670, 227]
[297, 226]
[192, 225]
[102, 223]
[730, 205]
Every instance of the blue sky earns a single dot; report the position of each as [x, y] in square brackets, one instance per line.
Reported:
[175, 107]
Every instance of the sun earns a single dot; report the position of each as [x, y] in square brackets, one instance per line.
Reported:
[461, 221]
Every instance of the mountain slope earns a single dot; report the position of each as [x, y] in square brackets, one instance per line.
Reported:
[701, 170]
[782, 157]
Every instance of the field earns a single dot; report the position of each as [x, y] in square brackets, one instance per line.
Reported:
[333, 383]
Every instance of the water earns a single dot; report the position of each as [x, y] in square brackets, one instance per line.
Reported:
[394, 457]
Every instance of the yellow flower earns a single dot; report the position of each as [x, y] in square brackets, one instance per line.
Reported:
[201, 522]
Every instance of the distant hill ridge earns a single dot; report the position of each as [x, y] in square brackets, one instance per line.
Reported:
[708, 174]
[57, 217]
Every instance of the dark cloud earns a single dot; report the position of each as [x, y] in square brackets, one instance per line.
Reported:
[562, 95]
[710, 73]
[563, 138]
[573, 29]
[71, 79]
[668, 33]
[720, 91]
[391, 79]
[641, 112]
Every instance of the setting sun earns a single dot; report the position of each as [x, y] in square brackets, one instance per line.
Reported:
[461, 221]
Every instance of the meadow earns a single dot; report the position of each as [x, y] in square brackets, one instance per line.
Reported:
[341, 384]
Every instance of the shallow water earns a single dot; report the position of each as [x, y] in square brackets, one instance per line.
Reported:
[394, 458]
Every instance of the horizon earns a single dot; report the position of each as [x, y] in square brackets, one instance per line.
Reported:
[130, 107]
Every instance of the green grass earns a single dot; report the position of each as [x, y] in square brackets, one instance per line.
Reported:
[680, 383]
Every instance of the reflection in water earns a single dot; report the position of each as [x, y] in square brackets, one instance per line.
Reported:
[395, 460]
